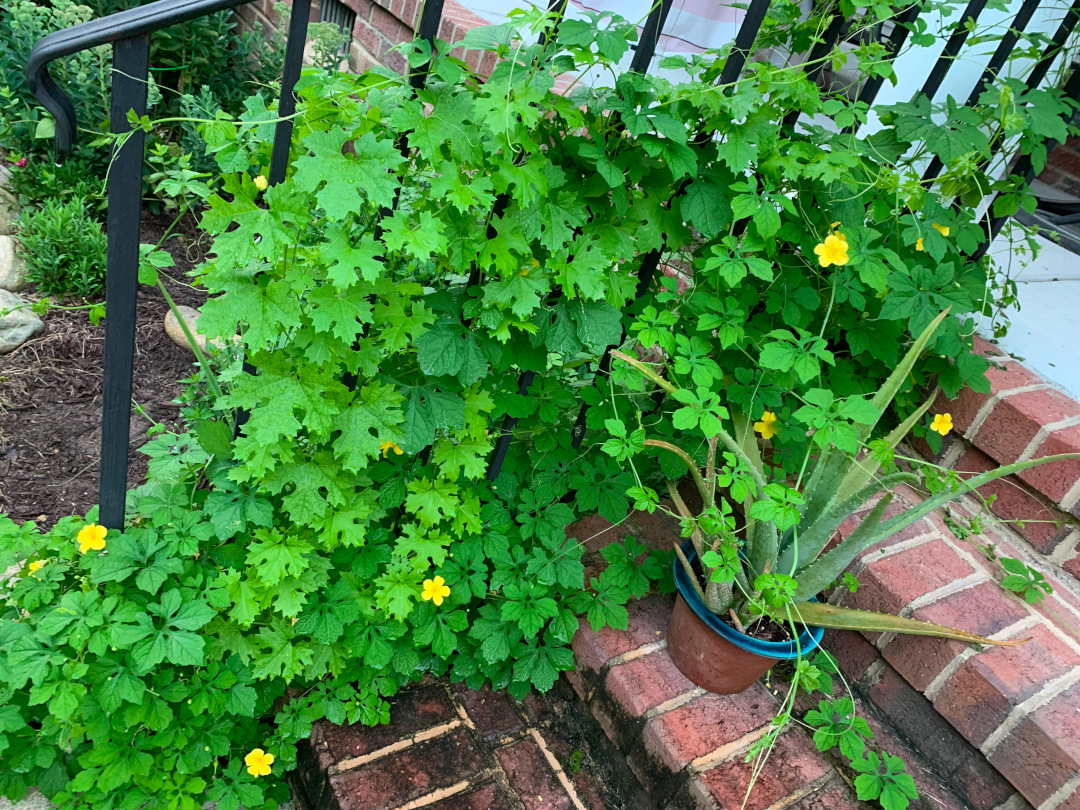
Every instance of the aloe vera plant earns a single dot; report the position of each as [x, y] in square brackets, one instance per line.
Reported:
[777, 561]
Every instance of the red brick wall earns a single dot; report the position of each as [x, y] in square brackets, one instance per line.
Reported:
[1023, 417]
[381, 25]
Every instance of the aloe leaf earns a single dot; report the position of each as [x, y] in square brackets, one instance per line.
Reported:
[889, 388]
[820, 492]
[902, 521]
[863, 471]
[817, 614]
[827, 481]
[816, 535]
[744, 435]
[763, 547]
[718, 597]
[816, 577]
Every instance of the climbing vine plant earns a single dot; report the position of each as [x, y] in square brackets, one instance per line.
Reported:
[441, 267]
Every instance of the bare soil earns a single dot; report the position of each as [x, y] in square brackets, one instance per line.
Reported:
[50, 394]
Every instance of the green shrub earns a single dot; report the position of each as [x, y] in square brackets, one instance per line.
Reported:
[40, 179]
[25, 127]
[63, 248]
[204, 64]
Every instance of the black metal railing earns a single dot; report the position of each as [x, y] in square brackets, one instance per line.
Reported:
[129, 34]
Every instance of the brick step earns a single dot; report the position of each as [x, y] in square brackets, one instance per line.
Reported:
[688, 747]
[452, 748]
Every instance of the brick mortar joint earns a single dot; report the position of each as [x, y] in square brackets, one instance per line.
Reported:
[1062, 794]
[1047, 693]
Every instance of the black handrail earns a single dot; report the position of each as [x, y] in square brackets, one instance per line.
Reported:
[129, 24]
[129, 33]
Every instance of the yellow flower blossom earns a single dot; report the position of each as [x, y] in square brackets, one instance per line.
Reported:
[942, 423]
[386, 447]
[261, 183]
[435, 590]
[918, 244]
[92, 538]
[834, 250]
[258, 762]
[35, 566]
[766, 427]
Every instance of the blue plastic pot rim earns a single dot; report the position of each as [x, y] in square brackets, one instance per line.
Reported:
[808, 639]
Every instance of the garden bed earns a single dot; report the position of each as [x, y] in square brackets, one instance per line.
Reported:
[50, 397]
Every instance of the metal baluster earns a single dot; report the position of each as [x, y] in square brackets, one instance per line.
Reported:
[283, 130]
[641, 61]
[952, 48]
[131, 69]
[650, 36]
[294, 59]
[896, 42]
[1050, 54]
[557, 7]
[744, 40]
[815, 62]
[1001, 54]
[1053, 50]
[430, 20]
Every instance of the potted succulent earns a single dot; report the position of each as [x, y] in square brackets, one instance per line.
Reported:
[747, 592]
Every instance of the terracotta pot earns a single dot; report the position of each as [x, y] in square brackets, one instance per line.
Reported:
[713, 654]
[707, 658]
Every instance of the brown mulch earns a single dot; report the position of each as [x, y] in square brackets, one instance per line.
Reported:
[50, 395]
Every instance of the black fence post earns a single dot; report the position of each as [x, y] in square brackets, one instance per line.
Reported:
[131, 58]
[294, 59]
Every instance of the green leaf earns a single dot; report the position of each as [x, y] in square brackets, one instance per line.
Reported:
[706, 207]
[373, 418]
[336, 178]
[818, 614]
[441, 351]
[343, 314]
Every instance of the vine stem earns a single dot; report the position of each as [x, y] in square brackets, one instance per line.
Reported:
[689, 462]
[645, 369]
[203, 362]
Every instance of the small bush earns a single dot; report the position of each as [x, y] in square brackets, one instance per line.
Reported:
[63, 248]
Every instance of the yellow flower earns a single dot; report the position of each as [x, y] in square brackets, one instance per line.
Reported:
[918, 244]
[833, 250]
[92, 538]
[35, 566]
[942, 229]
[435, 590]
[261, 183]
[765, 426]
[942, 423]
[258, 762]
[386, 447]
